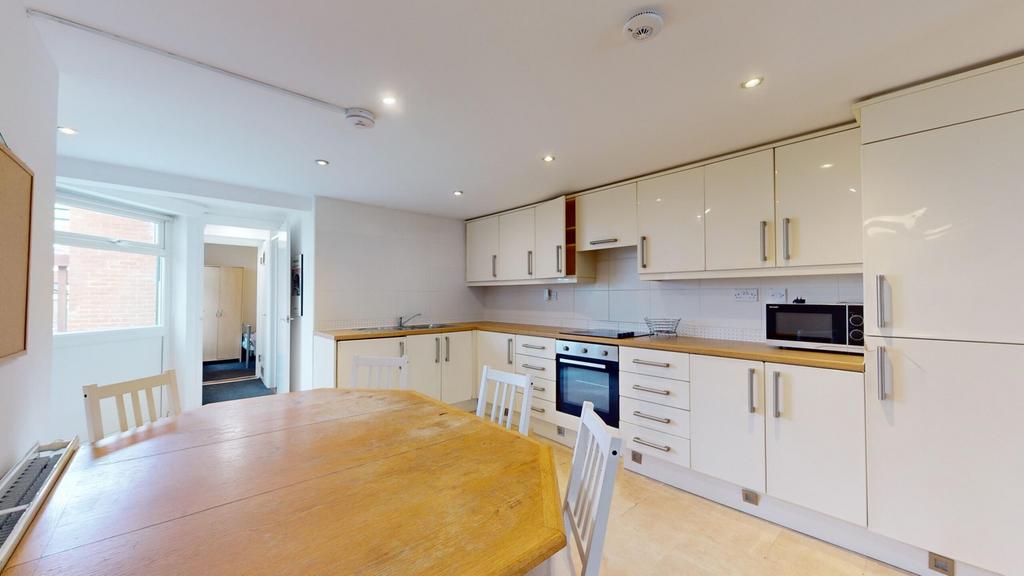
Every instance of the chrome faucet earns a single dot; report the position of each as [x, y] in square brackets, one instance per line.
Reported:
[402, 320]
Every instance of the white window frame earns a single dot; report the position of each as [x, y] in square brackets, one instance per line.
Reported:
[158, 248]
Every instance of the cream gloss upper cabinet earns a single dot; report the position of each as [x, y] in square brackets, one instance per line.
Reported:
[482, 239]
[670, 222]
[817, 201]
[549, 239]
[515, 245]
[739, 198]
[606, 218]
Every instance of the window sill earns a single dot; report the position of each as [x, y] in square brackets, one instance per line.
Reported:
[72, 339]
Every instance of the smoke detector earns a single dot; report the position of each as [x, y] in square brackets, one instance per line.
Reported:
[643, 25]
[360, 117]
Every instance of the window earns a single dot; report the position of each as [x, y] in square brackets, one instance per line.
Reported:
[107, 266]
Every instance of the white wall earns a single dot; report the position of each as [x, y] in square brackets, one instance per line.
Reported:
[302, 238]
[620, 299]
[239, 257]
[374, 264]
[28, 120]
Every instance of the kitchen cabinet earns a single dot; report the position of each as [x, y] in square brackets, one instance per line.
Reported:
[945, 463]
[606, 218]
[482, 239]
[940, 208]
[347, 349]
[515, 245]
[222, 312]
[457, 366]
[814, 440]
[727, 420]
[818, 201]
[670, 222]
[425, 353]
[496, 350]
[739, 205]
[549, 255]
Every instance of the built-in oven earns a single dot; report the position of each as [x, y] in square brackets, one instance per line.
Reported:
[587, 372]
[835, 327]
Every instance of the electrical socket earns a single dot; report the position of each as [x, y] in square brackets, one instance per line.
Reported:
[745, 294]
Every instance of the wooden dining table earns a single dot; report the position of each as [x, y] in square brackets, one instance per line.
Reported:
[317, 482]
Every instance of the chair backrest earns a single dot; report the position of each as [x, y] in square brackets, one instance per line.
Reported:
[507, 387]
[588, 497]
[382, 372]
[143, 387]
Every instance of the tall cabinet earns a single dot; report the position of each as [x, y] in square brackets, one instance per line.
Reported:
[942, 201]
[222, 313]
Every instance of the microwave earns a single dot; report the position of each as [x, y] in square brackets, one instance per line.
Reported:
[830, 327]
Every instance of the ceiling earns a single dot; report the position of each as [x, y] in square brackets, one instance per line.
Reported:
[485, 89]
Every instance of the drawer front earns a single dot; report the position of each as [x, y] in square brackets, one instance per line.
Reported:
[655, 416]
[674, 393]
[536, 367]
[543, 410]
[654, 444]
[655, 363]
[536, 346]
[544, 389]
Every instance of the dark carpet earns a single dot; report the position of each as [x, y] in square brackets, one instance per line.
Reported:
[234, 391]
[227, 369]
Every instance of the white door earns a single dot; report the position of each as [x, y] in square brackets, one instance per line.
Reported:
[817, 201]
[493, 349]
[941, 214]
[944, 450]
[607, 218]
[425, 352]
[281, 302]
[229, 328]
[348, 349]
[815, 439]
[739, 198]
[727, 420]
[263, 308]
[549, 239]
[482, 239]
[515, 252]
[670, 222]
[211, 311]
[457, 366]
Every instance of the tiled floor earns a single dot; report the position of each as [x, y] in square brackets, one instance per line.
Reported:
[659, 530]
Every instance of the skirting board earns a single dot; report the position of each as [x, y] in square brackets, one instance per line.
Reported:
[809, 522]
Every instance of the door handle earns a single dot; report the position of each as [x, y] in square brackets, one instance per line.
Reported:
[880, 299]
[785, 238]
[535, 409]
[880, 360]
[510, 351]
[604, 241]
[558, 258]
[534, 346]
[751, 407]
[494, 265]
[532, 367]
[651, 390]
[437, 350]
[447, 349]
[640, 414]
[643, 251]
[651, 363]
[539, 388]
[639, 440]
[764, 242]
[529, 262]
[401, 348]
[775, 394]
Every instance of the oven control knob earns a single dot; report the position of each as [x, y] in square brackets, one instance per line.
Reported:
[566, 348]
[584, 350]
[604, 353]
[856, 320]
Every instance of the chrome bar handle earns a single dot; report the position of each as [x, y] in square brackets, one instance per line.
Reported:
[643, 251]
[539, 388]
[651, 390]
[532, 367]
[534, 346]
[880, 299]
[529, 262]
[764, 242]
[510, 351]
[447, 349]
[651, 363]
[775, 394]
[751, 407]
[401, 348]
[785, 238]
[880, 360]
[604, 241]
[640, 440]
[640, 414]
[437, 349]
[494, 265]
[535, 409]
[558, 258]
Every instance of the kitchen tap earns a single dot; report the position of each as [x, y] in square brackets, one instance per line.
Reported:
[402, 320]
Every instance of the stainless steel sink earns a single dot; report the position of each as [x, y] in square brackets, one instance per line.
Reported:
[400, 328]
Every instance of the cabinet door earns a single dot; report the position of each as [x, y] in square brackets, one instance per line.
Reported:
[945, 462]
[347, 349]
[229, 329]
[457, 367]
[739, 217]
[670, 222]
[515, 254]
[817, 201]
[815, 439]
[482, 238]
[495, 350]
[727, 420]
[941, 210]
[425, 352]
[607, 218]
[549, 244]
[211, 311]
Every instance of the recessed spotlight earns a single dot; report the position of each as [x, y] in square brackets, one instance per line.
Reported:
[827, 165]
[853, 189]
[389, 100]
[67, 130]
[752, 82]
[549, 158]
[322, 162]
[457, 193]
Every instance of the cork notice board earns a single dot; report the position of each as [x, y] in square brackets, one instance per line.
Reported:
[15, 228]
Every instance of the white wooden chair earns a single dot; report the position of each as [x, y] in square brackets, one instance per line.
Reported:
[588, 497]
[134, 388]
[507, 387]
[382, 372]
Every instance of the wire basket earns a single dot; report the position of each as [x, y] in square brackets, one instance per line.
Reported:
[662, 326]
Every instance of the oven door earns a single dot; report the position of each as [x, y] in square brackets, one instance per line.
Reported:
[807, 323]
[584, 379]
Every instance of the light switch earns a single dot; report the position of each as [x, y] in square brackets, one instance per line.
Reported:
[777, 296]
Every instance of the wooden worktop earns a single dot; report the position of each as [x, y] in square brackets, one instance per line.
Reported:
[705, 346]
[319, 482]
